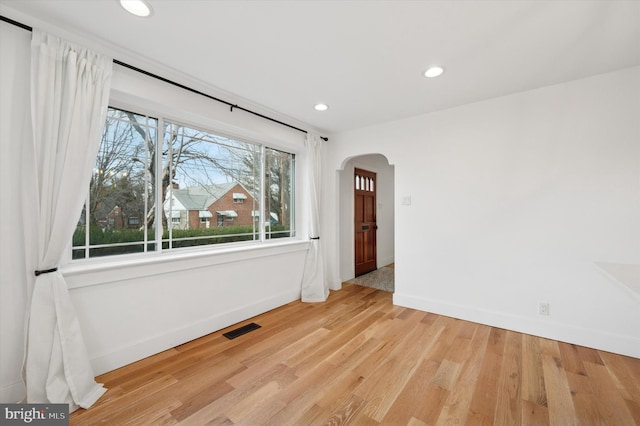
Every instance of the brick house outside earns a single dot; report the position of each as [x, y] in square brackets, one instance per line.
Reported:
[210, 206]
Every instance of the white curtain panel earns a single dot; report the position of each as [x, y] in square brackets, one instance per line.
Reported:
[69, 97]
[314, 284]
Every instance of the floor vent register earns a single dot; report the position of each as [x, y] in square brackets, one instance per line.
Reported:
[241, 331]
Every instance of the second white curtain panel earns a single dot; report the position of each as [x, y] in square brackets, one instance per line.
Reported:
[314, 284]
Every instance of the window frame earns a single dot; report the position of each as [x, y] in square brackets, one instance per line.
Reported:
[218, 128]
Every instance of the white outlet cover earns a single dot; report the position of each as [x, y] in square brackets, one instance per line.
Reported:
[543, 308]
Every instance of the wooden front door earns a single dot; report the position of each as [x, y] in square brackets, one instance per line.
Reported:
[365, 221]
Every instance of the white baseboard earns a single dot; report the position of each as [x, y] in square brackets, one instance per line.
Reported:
[624, 345]
[124, 355]
[386, 261]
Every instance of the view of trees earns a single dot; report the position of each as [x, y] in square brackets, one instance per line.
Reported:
[127, 164]
[119, 177]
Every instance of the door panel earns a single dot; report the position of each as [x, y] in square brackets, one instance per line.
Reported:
[364, 221]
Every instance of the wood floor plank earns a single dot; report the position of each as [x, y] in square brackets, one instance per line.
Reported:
[252, 403]
[534, 414]
[589, 355]
[358, 345]
[633, 365]
[450, 328]
[432, 402]
[404, 408]
[611, 404]
[349, 409]
[634, 409]
[361, 419]
[359, 360]
[199, 399]
[342, 389]
[415, 422]
[319, 390]
[533, 388]
[388, 337]
[586, 408]
[584, 400]
[311, 382]
[549, 347]
[202, 388]
[164, 419]
[281, 356]
[482, 406]
[122, 374]
[308, 393]
[560, 402]
[626, 383]
[307, 360]
[392, 375]
[508, 408]
[256, 353]
[348, 312]
[446, 375]
[496, 341]
[145, 412]
[280, 374]
[570, 357]
[456, 408]
[129, 402]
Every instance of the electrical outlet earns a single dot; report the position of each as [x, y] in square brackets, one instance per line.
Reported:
[543, 308]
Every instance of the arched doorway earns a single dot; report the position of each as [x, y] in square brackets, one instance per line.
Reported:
[384, 212]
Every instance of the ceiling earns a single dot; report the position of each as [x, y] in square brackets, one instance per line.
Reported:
[365, 59]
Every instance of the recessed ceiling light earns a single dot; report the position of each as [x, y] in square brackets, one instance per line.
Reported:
[433, 72]
[137, 7]
[321, 107]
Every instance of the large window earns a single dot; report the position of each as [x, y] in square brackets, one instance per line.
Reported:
[160, 185]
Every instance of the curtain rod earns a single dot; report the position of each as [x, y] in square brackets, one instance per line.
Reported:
[181, 86]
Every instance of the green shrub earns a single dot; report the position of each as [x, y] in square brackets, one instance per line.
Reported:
[180, 238]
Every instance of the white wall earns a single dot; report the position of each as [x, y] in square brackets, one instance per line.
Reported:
[385, 211]
[128, 313]
[514, 200]
[131, 310]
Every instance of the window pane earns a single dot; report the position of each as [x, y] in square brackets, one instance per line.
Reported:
[278, 212]
[211, 188]
[118, 213]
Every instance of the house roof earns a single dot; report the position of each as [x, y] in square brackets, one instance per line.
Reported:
[201, 197]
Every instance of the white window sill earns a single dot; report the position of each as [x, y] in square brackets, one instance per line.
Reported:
[118, 268]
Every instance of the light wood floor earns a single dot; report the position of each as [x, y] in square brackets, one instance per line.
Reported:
[359, 360]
